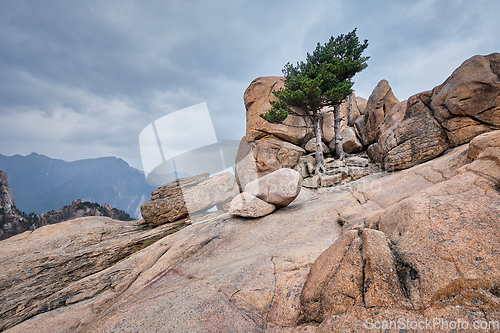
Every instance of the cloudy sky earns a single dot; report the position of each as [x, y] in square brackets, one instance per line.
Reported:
[81, 79]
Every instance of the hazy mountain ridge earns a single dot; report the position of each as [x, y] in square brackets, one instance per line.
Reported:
[40, 183]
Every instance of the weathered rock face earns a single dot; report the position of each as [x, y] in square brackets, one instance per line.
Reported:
[226, 274]
[7, 204]
[271, 155]
[361, 103]
[357, 270]
[279, 188]
[257, 97]
[468, 102]
[481, 142]
[179, 198]
[434, 254]
[311, 146]
[64, 263]
[248, 274]
[464, 106]
[259, 158]
[350, 141]
[11, 222]
[381, 101]
[416, 139]
[394, 116]
[246, 205]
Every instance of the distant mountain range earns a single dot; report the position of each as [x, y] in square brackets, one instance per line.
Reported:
[40, 183]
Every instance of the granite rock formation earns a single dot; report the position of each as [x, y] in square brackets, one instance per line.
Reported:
[379, 104]
[434, 224]
[465, 105]
[11, 222]
[182, 197]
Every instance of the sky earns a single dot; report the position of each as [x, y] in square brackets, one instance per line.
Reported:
[82, 79]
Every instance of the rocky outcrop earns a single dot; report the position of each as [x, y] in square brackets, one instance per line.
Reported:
[257, 97]
[357, 270]
[419, 244]
[417, 138]
[394, 116]
[468, 102]
[269, 147]
[255, 159]
[434, 254]
[11, 221]
[464, 106]
[184, 196]
[381, 101]
[7, 204]
[407, 244]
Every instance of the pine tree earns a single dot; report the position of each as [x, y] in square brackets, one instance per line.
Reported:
[324, 80]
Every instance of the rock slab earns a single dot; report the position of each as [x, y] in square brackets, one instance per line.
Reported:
[174, 201]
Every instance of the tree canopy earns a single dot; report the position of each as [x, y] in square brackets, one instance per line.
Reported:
[324, 79]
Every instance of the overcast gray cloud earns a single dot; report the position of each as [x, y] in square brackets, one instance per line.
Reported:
[81, 79]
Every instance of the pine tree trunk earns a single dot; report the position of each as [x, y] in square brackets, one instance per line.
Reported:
[320, 159]
[339, 149]
[350, 121]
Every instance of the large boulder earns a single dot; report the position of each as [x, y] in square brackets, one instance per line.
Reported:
[255, 159]
[416, 139]
[279, 188]
[182, 197]
[468, 102]
[257, 97]
[381, 101]
[350, 141]
[310, 146]
[246, 205]
[357, 270]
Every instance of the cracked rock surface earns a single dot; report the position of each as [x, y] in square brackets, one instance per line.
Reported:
[435, 253]
[418, 243]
